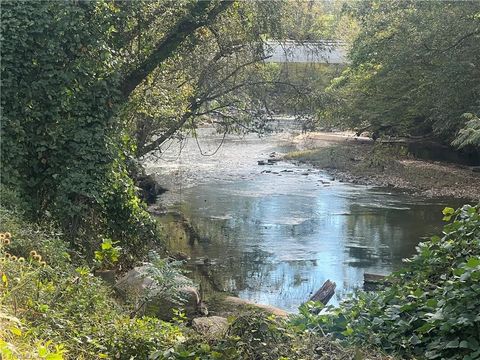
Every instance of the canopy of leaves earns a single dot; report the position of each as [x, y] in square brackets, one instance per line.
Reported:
[414, 69]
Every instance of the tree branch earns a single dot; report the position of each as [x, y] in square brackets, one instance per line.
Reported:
[199, 16]
[456, 43]
[194, 105]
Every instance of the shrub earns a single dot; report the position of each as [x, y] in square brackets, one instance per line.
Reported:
[53, 310]
[259, 336]
[432, 307]
[45, 240]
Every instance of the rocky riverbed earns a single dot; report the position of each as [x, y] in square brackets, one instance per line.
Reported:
[361, 161]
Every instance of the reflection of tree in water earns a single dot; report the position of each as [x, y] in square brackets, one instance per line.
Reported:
[380, 236]
[232, 267]
[221, 257]
[264, 248]
[250, 271]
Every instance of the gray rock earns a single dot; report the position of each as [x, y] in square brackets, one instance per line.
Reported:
[210, 327]
[233, 302]
[272, 161]
[136, 286]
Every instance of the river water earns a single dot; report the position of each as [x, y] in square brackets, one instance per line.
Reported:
[274, 234]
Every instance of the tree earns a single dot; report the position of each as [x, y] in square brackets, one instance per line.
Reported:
[413, 69]
[68, 68]
[220, 76]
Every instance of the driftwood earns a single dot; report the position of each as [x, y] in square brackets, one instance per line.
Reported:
[325, 293]
[372, 282]
[373, 278]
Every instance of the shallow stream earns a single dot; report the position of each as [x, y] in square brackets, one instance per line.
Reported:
[275, 233]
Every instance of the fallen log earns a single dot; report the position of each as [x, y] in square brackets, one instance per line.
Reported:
[325, 293]
[373, 278]
[372, 282]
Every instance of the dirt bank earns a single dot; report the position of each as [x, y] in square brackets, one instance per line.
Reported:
[361, 161]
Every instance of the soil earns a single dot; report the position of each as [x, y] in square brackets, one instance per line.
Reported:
[362, 161]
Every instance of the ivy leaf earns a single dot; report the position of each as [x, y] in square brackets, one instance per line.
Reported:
[448, 211]
[473, 262]
[452, 344]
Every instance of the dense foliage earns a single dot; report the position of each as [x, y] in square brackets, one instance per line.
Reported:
[431, 308]
[68, 68]
[413, 70]
[51, 308]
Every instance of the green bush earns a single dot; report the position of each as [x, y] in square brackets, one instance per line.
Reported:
[431, 309]
[53, 310]
[46, 240]
[139, 338]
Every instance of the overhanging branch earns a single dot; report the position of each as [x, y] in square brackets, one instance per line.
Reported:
[199, 16]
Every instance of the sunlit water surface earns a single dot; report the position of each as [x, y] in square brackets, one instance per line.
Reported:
[274, 234]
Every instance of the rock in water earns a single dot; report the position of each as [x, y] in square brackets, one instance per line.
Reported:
[150, 188]
[148, 297]
[210, 327]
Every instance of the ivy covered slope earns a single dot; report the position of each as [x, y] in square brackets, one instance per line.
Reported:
[432, 308]
[62, 147]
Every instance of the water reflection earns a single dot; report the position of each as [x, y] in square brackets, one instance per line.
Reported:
[275, 240]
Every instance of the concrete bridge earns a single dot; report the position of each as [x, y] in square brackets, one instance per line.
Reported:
[321, 52]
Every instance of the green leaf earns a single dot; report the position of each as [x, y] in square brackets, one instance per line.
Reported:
[16, 331]
[448, 211]
[106, 245]
[452, 344]
[348, 331]
[473, 262]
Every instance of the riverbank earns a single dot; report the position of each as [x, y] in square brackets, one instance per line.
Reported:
[93, 321]
[362, 161]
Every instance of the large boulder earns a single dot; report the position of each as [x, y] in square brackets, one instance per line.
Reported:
[148, 298]
[211, 327]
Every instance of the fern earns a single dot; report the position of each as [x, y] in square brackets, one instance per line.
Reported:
[470, 134]
[168, 279]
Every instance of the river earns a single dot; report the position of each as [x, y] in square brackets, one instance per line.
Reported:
[274, 234]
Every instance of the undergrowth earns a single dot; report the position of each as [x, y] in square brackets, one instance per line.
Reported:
[432, 308]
